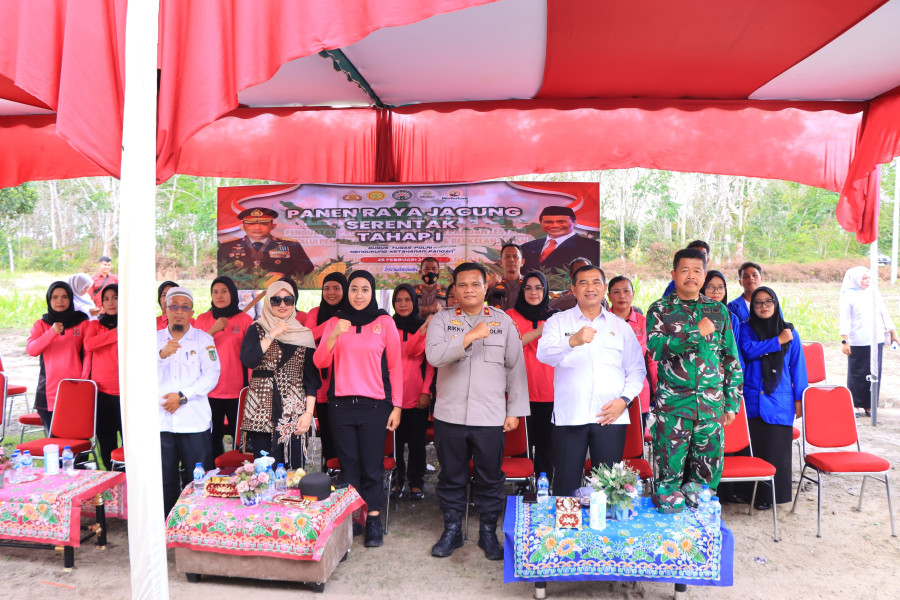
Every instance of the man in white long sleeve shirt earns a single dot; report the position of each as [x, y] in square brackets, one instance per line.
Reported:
[188, 369]
[598, 372]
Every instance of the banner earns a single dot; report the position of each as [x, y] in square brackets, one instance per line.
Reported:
[307, 231]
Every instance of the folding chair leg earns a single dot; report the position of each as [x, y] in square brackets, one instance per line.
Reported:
[862, 490]
[388, 479]
[887, 485]
[819, 505]
[753, 497]
[774, 508]
[799, 485]
[799, 453]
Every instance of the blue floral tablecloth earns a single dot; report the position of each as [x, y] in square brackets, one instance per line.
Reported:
[674, 548]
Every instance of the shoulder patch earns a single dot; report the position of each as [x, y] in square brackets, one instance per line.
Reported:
[212, 353]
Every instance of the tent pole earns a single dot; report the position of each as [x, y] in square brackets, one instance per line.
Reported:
[137, 293]
[876, 322]
[896, 230]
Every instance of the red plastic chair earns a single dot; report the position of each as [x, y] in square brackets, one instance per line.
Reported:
[235, 458]
[74, 420]
[14, 391]
[633, 453]
[829, 422]
[333, 465]
[814, 355]
[746, 468]
[117, 459]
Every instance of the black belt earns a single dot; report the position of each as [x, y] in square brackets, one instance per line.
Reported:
[263, 373]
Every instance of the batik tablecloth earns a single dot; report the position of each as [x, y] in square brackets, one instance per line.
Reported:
[224, 525]
[674, 548]
[48, 509]
[115, 502]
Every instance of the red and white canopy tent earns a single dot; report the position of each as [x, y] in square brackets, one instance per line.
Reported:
[442, 90]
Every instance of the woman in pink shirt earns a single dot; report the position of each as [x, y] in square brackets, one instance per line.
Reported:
[362, 348]
[58, 338]
[621, 296]
[334, 293]
[417, 377]
[227, 324]
[101, 359]
[531, 311]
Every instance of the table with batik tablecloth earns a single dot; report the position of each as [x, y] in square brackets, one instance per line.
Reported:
[220, 536]
[46, 512]
[653, 547]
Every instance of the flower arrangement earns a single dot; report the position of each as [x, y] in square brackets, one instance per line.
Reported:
[618, 482]
[4, 460]
[249, 483]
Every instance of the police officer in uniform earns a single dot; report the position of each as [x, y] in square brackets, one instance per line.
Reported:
[259, 256]
[482, 390]
[431, 296]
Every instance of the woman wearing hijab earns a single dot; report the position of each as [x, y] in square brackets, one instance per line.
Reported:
[361, 346]
[334, 293]
[58, 338]
[858, 310]
[531, 311]
[715, 288]
[774, 380]
[284, 382]
[228, 325]
[101, 360]
[300, 315]
[81, 288]
[418, 375]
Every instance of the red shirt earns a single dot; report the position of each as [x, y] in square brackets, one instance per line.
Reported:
[357, 360]
[60, 354]
[412, 349]
[228, 347]
[101, 357]
[100, 282]
[540, 376]
[638, 324]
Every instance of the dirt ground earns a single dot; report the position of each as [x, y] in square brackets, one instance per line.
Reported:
[855, 558]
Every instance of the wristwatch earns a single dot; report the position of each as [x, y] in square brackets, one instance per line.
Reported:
[843, 341]
[182, 399]
[628, 402]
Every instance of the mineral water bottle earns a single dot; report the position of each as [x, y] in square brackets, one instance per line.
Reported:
[543, 489]
[280, 478]
[705, 493]
[199, 474]
[715, 513]
[639, 490]
[26, 461]
[68, 461]
[703, 507]
[15, 471]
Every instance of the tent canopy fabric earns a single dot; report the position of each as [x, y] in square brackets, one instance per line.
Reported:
[471, 89]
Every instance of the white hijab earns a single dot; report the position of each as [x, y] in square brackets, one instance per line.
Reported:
[83, 302]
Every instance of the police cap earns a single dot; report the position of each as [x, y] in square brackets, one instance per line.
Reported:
[257, 215]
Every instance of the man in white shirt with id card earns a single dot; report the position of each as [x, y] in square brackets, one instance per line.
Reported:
[188, 369]
[598, 372]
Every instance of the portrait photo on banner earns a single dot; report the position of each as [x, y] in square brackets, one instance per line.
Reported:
[307, 231]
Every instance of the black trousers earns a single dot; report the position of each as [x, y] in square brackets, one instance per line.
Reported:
[46, 418]
[456, 445]
[412, 433]
[540, 436]
[109, 426]
[186, 449]
[358, 428]
[259, 441]
[222, 408]
[571, 444]
[328, 450]
[772, 443]
[857, 369]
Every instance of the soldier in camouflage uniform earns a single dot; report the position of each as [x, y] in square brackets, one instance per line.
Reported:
[700, 384]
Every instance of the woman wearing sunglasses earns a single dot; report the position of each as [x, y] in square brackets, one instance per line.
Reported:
[284, 381]
[361, 346]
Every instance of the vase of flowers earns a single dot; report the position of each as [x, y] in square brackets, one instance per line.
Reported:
[619, 482]
[4, 464]
[250, 484]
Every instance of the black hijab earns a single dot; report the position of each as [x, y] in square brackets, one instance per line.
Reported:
[411, 323]
[159, 291]
[69, 317]
[232, 309]
[765, 329]
[365, 316]
[540, 312]
[109, 321]
[326, 311]
[713, 273]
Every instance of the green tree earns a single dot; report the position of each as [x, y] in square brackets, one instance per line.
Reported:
[15, 202]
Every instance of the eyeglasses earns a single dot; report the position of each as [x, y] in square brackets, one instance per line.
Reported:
[534, 288]
[716, 290]
[761, 303]
[180, 308]
[277, 300]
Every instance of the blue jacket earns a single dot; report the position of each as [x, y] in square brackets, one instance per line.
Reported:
[739, 307]
[776, 408]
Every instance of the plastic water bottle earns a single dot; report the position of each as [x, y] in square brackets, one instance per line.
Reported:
[199, 474]
[15, 472]
[543, 489]
[26, 461]
[68, 461]
[280, 478]
[703, 507]
[715, 513]
[639, 490]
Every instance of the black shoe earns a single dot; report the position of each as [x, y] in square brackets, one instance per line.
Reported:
[357, 529]
[414, 495]
[397, 492]
[763, 505]
[374, 532]
[487, 537]
[452, 537]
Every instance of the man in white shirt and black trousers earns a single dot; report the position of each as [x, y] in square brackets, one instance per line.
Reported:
[188, 369]
[598, 372]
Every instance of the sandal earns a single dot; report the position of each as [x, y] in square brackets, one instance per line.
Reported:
[416, 495]
[397, 492]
